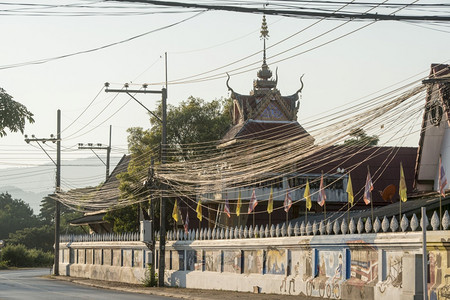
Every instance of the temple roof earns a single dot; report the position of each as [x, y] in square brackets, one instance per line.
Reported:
[265, 114]
[264, 101]
[266, 130]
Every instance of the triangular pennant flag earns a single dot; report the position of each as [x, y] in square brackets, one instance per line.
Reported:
[186, 223]
[287, 200]
[350, 190]
[307, 196]
[199, 210]
[239, 204]
[175, 215]
[270, 204]
[253, 202]
[402, 185]
[322, 196]
[226, 208]
[442, 178]
[368, 189]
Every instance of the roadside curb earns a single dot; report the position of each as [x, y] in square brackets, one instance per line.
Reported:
[140, 290]
[178, 293]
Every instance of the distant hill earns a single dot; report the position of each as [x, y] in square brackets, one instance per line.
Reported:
[31, 184]
[33, 199]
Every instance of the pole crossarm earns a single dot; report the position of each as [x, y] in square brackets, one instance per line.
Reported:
[144, 91]
[94, 147]
[43, 140]
[99, 146]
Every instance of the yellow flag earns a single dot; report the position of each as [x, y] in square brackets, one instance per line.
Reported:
[199, 210]
[350, 190]
[402, 185]
[175, 211]
[307, 196]
[239, 203]
[270, 204]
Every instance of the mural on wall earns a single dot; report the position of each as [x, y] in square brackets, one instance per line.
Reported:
[178, 260]
[253, 261]
[394, 272]
[363, 271]
[302, 261]
[434, 273]
[199, 262]
[191, 260]
[444, 291]
[212, 261]
[329, 275]
[168, 260]
[289, 286]
[232, 261]
[276, 261]
[296, 261]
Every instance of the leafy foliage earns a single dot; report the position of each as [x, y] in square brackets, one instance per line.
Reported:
[192, 121]
[360, 138]
[42, 237]
[20, 256]
[15, 215]
[13, 115]
[47, 215]
[18, 225]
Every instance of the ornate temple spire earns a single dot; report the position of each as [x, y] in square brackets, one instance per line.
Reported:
[264, 74]
[264, 36]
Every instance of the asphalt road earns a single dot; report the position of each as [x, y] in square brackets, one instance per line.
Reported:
[29, 284]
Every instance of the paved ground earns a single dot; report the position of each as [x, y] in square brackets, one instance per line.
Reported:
[39, 284]
[180, 293]
[25, 284]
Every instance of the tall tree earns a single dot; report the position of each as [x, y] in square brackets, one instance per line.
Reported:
[15, 215]
[360, 138]
[13, 115]
[192, 121]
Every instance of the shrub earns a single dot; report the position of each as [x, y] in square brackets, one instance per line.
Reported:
[15, 255]
[3, 265]
[20, 256]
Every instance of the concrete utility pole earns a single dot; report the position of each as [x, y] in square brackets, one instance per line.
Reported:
[163, 120]
[56, 140]
[93, 147]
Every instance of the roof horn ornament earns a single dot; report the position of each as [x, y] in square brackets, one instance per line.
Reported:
[301, 88]
[229, 87]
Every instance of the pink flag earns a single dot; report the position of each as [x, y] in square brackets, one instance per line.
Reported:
[253, 202]
[186, 223]
[287, 201]
[442, 178]
[368, 189]
[322, 197]
[227, 208]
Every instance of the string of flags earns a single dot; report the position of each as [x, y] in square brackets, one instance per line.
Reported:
[367, 196]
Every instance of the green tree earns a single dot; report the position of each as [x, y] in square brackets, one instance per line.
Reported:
[47, 215]
[42, 238]
[15, 215]
[13, 115]
[360, 138]
[192, 121]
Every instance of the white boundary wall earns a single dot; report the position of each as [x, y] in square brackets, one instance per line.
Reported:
[347, 266]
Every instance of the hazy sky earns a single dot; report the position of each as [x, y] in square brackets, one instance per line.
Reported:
[371, 59]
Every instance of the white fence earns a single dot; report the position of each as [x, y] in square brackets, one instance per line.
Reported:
[339, 259]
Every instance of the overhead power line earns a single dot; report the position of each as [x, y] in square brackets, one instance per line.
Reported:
[295, 13]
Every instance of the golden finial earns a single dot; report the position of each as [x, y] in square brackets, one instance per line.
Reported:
[264, 29]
